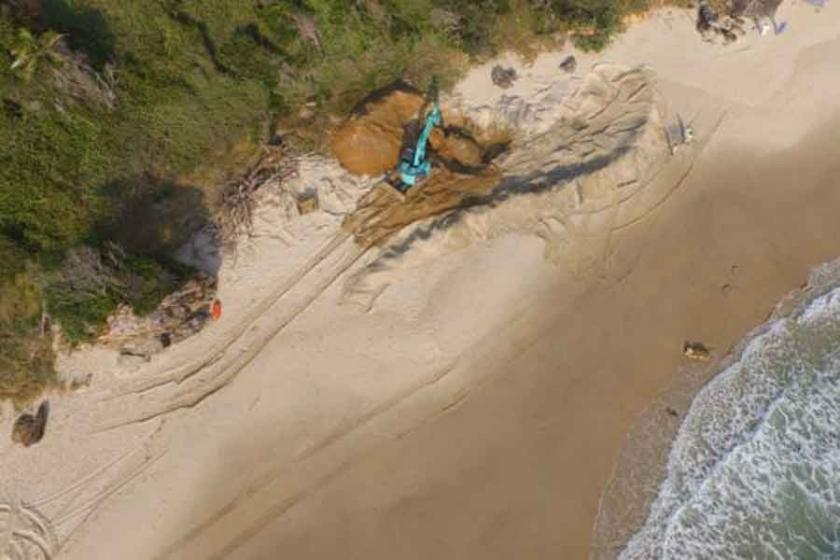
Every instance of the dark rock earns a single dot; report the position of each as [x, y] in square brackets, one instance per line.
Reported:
[569, 65]
[706, 17]
[503, 77]
[729, 36]
[276, 139]
[30, 428]
[696, 351]
[307, 202]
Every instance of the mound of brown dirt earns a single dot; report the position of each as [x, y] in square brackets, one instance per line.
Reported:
[369, 142]
[456, 147]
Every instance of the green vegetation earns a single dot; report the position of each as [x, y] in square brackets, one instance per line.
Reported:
[30, 51]
[92, 282]
[25, 356]
[117, 117]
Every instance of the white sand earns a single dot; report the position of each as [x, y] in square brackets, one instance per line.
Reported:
[466, 398]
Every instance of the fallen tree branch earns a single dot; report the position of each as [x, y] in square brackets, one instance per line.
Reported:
[234, 215]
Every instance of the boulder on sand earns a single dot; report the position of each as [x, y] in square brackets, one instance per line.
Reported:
[569, 64]
[29, 428]
[503, 77]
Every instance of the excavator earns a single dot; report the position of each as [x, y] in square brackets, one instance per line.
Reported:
[414, 165]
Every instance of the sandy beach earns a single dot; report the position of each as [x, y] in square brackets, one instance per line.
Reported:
[467, 396]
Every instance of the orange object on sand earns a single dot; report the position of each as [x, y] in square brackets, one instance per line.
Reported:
[216, 310]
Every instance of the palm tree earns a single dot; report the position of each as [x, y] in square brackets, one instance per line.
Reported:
[30, 52]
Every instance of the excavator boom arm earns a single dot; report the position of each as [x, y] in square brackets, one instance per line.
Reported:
[432, 120]
[418, 165]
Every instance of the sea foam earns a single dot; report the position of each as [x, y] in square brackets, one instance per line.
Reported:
[754, 471]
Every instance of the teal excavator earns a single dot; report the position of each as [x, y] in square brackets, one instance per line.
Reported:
[414, 163]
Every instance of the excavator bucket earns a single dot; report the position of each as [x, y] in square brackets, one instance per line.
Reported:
[393, 186]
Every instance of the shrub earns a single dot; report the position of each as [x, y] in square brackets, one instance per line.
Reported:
[91, 283]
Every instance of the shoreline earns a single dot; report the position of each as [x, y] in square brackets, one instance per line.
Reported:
[640, 469]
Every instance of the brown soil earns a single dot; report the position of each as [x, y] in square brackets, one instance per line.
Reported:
[369, 143]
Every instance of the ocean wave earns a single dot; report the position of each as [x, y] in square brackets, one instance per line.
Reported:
[754, 471]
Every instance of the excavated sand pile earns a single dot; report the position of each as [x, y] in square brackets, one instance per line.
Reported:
[369, 143]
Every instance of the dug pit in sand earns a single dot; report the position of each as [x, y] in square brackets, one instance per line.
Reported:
[370, 143]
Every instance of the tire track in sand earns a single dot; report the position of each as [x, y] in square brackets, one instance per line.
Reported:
[194, 383]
